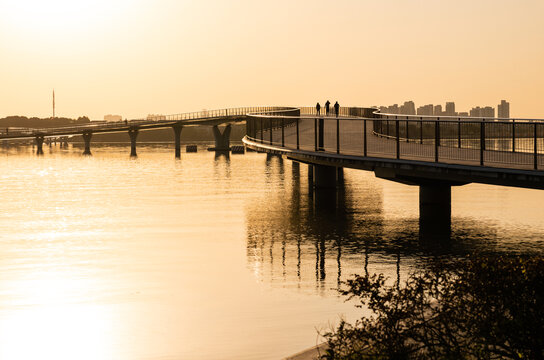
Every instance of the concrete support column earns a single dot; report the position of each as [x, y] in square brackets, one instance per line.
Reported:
[133, 133]
[177, 139]
[222, 140]
[340, 176]
[324, 176]
[434, 211]
[39, 145]
[87, 138]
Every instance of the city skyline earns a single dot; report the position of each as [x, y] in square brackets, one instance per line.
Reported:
[146, 57]
[409, 108]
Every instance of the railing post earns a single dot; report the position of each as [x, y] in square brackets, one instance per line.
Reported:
[321, 134]
[436, 139]
[282, 132]
[459, 133]
[482, 142]
[365, 138]
[271, 130]
[337, 135]
[397, 135]
[315, 134]
[421, 131]
[407, 137]
[262, 125]
[535, 140]
[298, 143]
[513, 135]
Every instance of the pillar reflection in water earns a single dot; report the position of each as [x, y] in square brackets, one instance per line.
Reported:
[314, 239]
[221, 165]
[314, 233]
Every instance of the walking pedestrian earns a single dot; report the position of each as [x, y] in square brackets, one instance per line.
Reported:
[318, 108]
[336, 108]
[327, 107]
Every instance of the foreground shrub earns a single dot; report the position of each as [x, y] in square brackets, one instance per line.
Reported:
[480, 308]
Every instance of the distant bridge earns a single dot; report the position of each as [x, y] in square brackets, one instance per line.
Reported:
[211, 118]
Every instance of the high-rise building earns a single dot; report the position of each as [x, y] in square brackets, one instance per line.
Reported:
[438, 110]
[503, 109]
[450, 109]
[393, 109]
[426, 110]
[408, 108]
[484, 112]
[476, 111]
[488, 112]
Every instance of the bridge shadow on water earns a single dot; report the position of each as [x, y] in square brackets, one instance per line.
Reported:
[303, 238]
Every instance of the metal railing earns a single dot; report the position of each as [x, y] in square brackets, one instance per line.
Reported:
[506, 143]
[153, 121]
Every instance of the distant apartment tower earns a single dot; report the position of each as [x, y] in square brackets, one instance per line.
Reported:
[503, 109]
[111, 117]
[408, 108]
[393, 109]
[426, 110]
[488, 112]
[437, 110]
[450, 109]
[485, 112]
[476, 112]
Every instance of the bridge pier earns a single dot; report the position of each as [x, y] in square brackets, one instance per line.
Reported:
[87, 138]
[434, 211]
[39, 145]
[324, 176]
[222, 140]
[133, 133]
[340, 176]
[310, 175]
[177, 139]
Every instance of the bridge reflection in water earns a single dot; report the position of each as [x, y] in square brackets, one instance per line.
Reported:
[304, 238]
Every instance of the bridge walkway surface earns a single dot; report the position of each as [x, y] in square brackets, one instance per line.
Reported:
[343, 142]
[352, 143]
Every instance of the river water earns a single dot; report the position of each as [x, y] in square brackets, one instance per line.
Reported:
[108, 257]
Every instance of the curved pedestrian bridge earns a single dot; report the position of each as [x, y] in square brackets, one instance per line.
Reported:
[429, 152]
[408, 149]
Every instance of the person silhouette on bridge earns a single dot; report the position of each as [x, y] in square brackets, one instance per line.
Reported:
[327, 107]
[336, 108]
[318, 108]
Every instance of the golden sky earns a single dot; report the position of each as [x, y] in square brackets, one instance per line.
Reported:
[135, 57]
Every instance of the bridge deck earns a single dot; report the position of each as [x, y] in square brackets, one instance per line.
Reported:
[456, 164]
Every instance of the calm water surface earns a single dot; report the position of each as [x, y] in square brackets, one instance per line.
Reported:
[107, 257]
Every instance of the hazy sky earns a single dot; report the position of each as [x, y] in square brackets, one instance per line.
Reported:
[135, 57]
